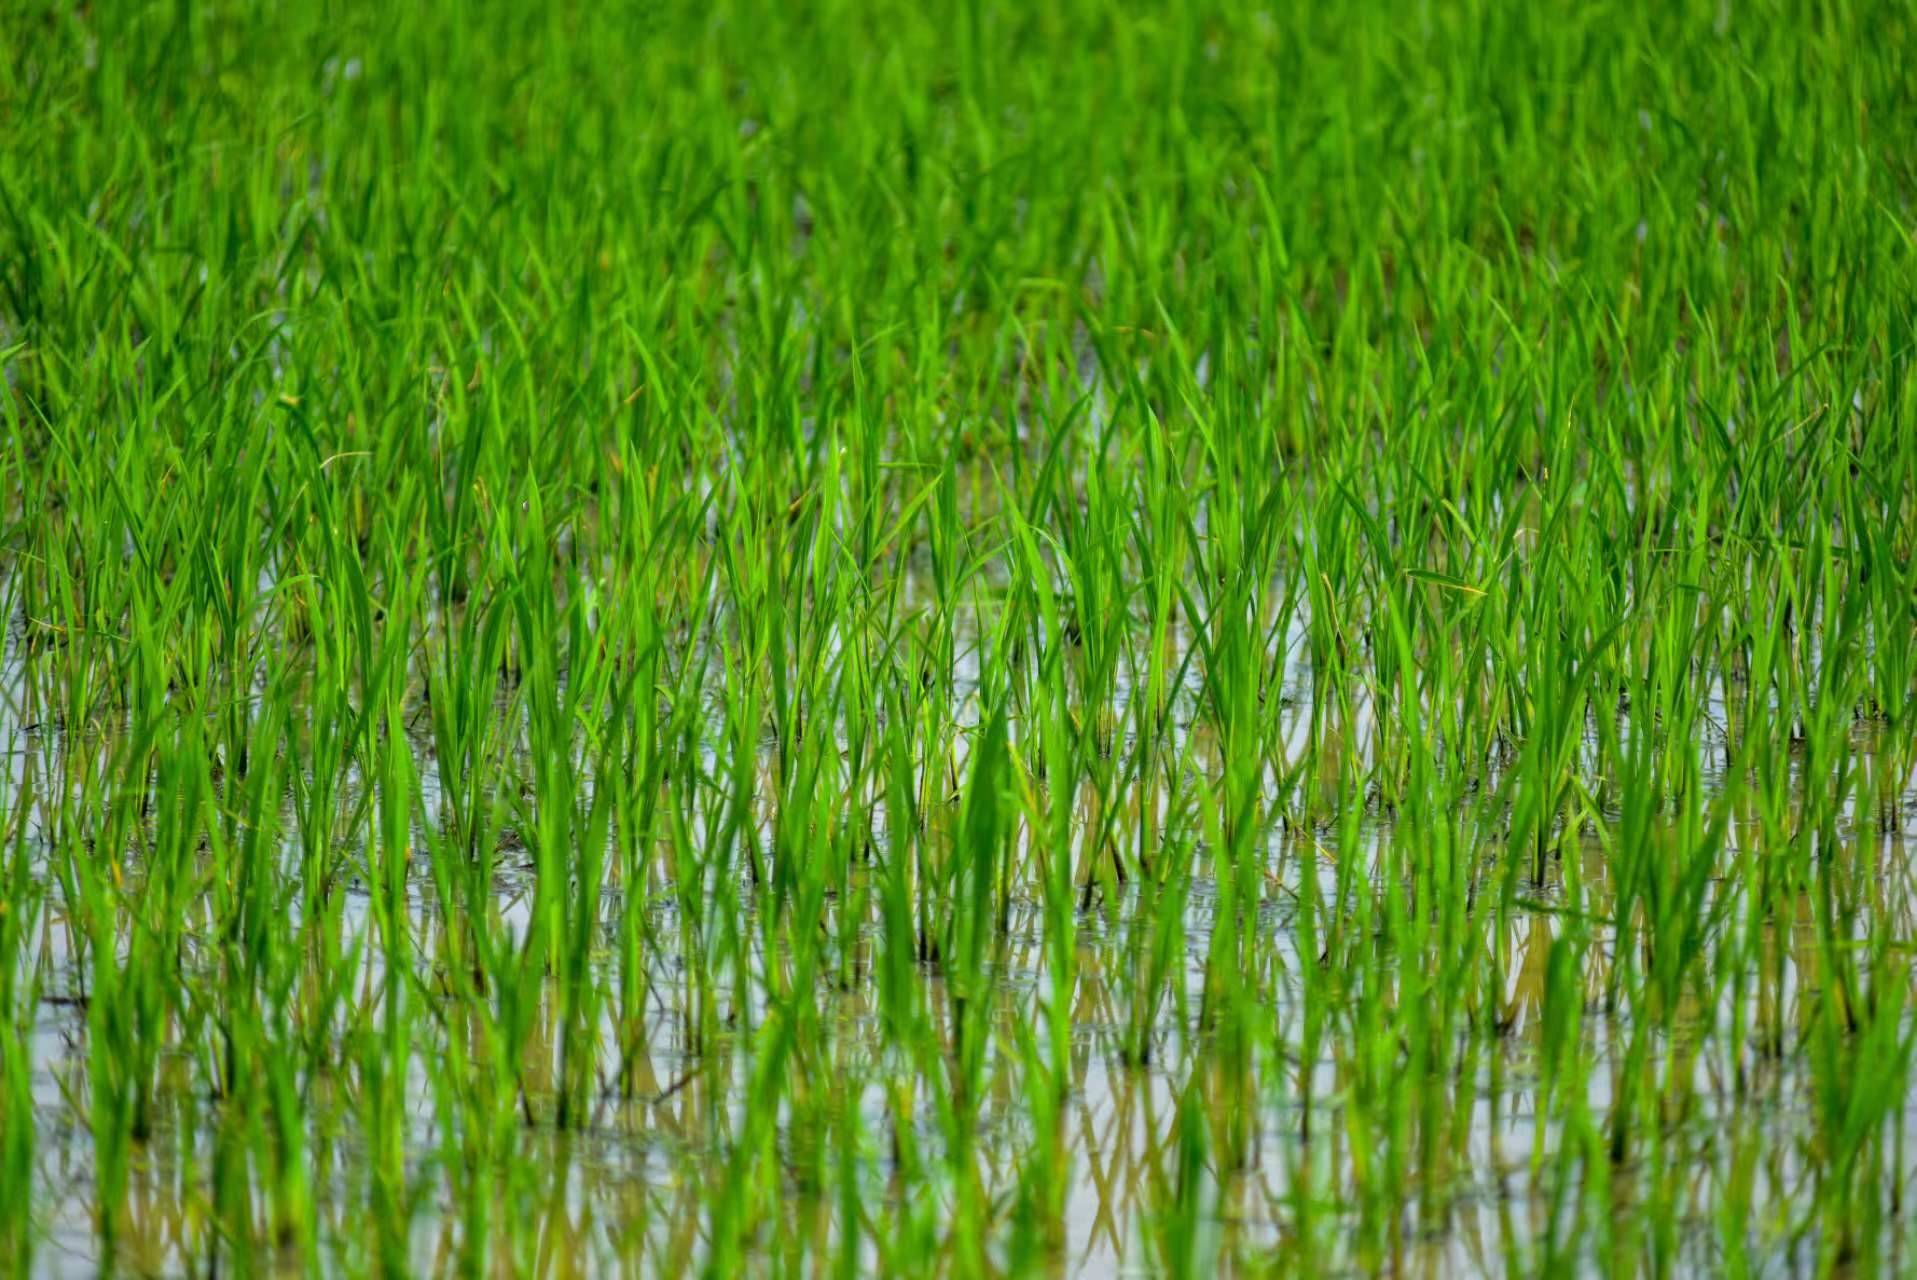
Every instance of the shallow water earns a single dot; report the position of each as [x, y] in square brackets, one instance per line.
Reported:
[633, 1183]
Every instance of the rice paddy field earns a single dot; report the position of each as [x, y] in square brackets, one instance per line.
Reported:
[958, 639]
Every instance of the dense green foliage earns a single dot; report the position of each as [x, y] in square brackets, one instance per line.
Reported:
[957, 639]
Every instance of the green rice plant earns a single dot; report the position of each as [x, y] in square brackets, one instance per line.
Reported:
[955, 640]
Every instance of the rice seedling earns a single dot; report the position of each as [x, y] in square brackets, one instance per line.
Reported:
[865, 638]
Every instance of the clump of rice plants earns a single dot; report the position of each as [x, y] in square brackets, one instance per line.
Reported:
[962, 639]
